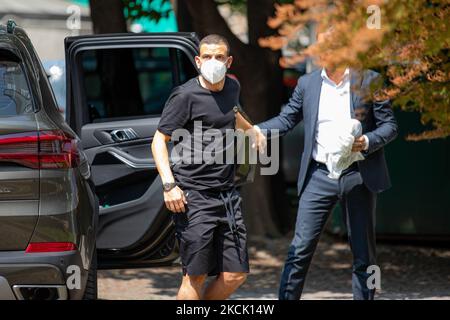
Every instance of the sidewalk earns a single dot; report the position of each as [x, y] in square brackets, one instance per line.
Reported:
[407, 273]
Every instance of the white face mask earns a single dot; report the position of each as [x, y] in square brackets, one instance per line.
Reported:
[213, 70]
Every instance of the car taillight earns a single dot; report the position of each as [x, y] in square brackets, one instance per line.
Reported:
[57, 150]
[43, 149]
[36, 247]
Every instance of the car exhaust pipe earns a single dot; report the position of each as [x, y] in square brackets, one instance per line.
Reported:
[40, 292]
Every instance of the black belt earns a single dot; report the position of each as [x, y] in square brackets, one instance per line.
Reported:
[352, 167]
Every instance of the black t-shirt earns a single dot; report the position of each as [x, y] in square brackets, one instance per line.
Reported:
[205, 115]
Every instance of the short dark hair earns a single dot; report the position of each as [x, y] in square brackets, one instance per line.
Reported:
[215, 39]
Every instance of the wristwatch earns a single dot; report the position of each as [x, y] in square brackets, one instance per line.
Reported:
[169, 186]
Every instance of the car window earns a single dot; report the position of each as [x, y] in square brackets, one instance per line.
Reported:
[15, 97]
[130, 83]
[56, 71]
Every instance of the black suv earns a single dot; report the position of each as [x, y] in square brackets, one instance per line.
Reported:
[85, 187]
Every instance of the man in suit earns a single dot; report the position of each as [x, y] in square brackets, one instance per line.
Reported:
[320, 98]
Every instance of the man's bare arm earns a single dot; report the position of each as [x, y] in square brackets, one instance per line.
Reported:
[174, 199]
[242, 123]
[259, 140]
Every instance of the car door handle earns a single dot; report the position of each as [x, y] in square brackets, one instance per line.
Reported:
[125, 134]
[131, 161]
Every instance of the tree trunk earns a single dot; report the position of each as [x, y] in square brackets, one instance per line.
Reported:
[260, 76]
[120, 83]
[183, 16]
[258, 12]
[107, 16]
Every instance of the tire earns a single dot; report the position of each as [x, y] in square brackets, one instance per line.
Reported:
[90, 291]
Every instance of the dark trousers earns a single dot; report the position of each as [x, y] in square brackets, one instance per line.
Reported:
[317, 200]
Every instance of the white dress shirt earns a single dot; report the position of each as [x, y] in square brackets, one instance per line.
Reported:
[334, 106]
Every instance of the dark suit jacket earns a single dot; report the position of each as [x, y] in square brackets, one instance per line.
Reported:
[376, 117]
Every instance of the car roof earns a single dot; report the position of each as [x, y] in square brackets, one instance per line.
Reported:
[11, 39]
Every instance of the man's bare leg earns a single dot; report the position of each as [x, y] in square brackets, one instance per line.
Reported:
[191, 287]
[224, 285]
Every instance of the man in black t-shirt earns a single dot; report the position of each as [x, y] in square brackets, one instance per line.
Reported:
[198, 187]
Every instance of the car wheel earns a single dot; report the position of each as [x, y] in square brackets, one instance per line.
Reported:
[90, 292]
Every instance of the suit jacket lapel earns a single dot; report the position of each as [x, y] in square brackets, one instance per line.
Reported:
[355, 86]
[316, 88]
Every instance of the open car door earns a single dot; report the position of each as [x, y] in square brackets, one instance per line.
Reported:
[117, 86]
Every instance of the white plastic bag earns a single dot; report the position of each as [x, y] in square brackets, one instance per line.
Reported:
[342, 156]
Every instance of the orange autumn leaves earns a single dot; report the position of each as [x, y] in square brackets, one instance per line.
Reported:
[410, 48]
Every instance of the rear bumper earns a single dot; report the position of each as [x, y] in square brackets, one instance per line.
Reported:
[53, 270]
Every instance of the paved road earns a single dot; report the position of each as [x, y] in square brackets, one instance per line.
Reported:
[408, 272]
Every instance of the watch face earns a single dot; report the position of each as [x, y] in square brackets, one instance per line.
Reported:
[168, 186]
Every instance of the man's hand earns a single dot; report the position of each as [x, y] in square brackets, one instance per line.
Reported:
[359, 144]
[175, 200]
[259, 140]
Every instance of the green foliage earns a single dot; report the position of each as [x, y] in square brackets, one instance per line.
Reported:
[410, 48]
[135, 9]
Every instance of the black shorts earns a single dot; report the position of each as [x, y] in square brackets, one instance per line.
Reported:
[211, 233]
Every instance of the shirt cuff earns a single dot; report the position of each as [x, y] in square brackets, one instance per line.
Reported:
[367, 142]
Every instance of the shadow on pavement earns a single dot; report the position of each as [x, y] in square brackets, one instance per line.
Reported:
[407, 272]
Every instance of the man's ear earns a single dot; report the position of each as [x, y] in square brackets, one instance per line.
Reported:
[230, 62]
[198, 62]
